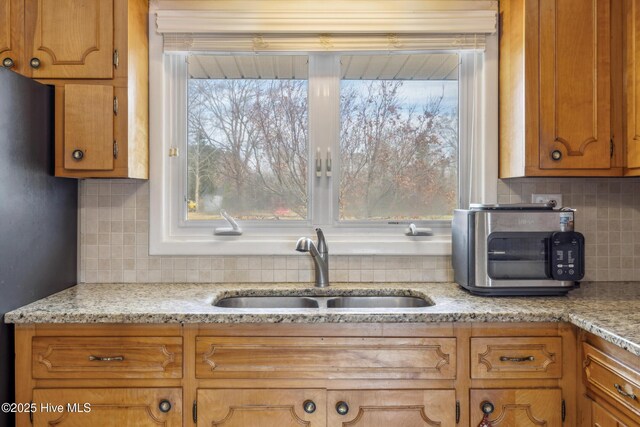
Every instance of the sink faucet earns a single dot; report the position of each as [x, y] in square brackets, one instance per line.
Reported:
[320, 255]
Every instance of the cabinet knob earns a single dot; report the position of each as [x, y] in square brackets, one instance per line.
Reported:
[77, 155]
[8, 63]
[556, 155]
[309, 406]
[35, 63]
[164, 406]
[342, 408]
[487, 407]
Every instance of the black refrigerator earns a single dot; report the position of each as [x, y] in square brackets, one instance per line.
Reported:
[38, 212]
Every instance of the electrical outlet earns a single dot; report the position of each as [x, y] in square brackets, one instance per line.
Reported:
[546, 198]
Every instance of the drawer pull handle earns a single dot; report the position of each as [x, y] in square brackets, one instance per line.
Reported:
[624, 393]
[517, 359]
[107, 359]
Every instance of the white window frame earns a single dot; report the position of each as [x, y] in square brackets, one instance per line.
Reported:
[170, 234]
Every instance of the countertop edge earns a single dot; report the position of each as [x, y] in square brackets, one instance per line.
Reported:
[593, 307]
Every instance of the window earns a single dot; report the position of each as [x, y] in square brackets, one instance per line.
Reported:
[360, 142]
[399, 137]
[247, 139]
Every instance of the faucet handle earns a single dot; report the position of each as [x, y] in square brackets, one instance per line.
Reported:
[322, 244]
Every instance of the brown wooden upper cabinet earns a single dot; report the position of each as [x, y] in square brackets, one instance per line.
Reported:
[560, 73]
[58, 39]
[632, 84]
[69, 39]
[88, 128]
[11, 34]
[95, 53]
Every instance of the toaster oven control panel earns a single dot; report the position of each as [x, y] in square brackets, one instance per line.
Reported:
[567, 256]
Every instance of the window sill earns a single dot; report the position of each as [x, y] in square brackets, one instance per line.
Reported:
[338, 245]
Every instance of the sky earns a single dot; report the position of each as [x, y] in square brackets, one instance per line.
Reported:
[416, 92]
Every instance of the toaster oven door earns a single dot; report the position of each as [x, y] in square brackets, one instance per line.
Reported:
[518, 256]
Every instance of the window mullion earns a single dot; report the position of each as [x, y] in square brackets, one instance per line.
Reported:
[324, 130]
[177, 109]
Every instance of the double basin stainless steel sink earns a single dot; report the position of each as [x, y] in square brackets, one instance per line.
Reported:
[325, 302]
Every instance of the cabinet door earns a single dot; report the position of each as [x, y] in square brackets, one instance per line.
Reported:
[519, 408]
[261, 408]
[115, 407]
[603, 418]
[11, 34]
[384, 408]
[88, 127]
[575, 77]
[632, 81]
[72, 39]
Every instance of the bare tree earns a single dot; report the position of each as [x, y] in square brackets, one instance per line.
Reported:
[280, 113]
[248, 143]
[393, 157]
[222, 123]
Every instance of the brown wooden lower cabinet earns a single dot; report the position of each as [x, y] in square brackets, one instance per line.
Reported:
[519, 407]
[314, 375]
[108, 407]
[333, 408]
[384, 408]
[261, 408]
[611, 380]
[603, 418]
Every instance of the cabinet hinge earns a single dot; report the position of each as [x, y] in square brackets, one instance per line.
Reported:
[457, 412]
[174, 152]
[611, 145]
[116, 58]
[115, 149]
[31, 412]
[115, 105]
[564, 410]
[194, 411]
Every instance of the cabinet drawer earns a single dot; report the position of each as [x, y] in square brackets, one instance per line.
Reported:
[107, 357]
[606, 376]
[339, 358]
[531, 357]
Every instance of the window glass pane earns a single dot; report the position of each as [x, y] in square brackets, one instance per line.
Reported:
[247, 137]
[398, 137]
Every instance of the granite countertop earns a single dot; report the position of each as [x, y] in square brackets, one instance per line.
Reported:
[610, 310]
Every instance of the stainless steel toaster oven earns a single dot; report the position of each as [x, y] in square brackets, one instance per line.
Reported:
[516, 250]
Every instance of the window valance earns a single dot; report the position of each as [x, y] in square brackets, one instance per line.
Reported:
[329, 25]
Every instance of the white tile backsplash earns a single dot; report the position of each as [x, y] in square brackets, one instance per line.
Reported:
[115, 231]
